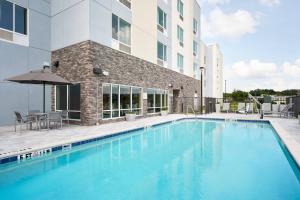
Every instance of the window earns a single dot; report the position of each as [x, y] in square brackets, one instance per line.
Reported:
[68, 98]
[180, 62]
[180, 35]
[6, 15]
[20, 20]
[195, 48]
[195, 68]
[161, 51]
[161, 18]
[180, 8]
[120, 99]
[121, 30]
[127, 3]
[156, 100]
[124, 100]
[195, 26]
[13, 17]
[115, 100]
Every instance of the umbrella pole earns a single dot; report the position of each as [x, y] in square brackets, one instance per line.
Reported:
[44, 99]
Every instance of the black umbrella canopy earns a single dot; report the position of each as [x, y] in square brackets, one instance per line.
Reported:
[43, 76]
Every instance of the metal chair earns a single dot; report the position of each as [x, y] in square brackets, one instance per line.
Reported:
[65, 116]
[23, 120]
[54, 117]
[30, 112]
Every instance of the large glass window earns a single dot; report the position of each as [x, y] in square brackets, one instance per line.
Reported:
[106, 90]
[115, 27]
[20, 20]
[195, 26]
[125, 32]
[115, 101]
[150, 100]
[125, 100]
[68, 98]
[180, 7]
[161, 18]
[61, 97]
[136, 100]
[6, 15]
[161, 51]
[180, 35]
[180, 62]
[156, 100]
[121, 30]
[196, 68]
[195, 48]
[119, 100]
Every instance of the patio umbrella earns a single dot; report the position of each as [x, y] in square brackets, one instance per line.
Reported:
[43, 76]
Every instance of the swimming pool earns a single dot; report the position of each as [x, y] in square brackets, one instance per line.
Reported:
[189, 159]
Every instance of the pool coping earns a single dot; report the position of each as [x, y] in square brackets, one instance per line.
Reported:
[288, 141]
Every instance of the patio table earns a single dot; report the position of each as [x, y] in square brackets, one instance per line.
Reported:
[38, 117]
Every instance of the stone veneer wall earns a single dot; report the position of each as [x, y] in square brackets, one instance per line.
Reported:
[76, 64]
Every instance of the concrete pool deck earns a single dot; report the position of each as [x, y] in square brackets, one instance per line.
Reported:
[16, 143]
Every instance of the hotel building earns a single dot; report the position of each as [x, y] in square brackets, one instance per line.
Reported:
[121, 56]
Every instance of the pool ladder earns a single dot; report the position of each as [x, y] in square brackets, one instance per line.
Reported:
[187, 110]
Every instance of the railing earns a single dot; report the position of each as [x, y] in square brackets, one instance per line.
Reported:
[187, 110]
[252, 97]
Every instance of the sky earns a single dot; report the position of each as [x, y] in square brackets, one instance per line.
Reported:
[259, 39]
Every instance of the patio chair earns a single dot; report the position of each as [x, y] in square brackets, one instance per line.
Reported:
[54, 117]
[275, 109]
[65, 116]
[285, 111]
[23, 120]
[266, 108]
[241, 108]
[226, 107]
[33, 111]
[250, 108]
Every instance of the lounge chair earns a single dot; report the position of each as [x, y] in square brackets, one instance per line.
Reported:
[266, 108]
[54, 117]
[249, 108]
[285, 110]
[23, 120]
[275, 109]
[241, 108]
[226, 107]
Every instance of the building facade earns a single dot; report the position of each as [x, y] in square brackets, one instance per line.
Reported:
[213, 71]
[24, 45]
[123, 56]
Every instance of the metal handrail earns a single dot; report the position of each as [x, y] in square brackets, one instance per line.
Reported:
[252, 97]
[187, 110]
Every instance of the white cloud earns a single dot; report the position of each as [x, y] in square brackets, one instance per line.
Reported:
[270, 3]
[248, 75]
[233, 25]
[292, 69]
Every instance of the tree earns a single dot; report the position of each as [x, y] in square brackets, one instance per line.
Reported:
[239, 96]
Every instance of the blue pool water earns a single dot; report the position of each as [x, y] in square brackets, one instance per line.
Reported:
[190, 159]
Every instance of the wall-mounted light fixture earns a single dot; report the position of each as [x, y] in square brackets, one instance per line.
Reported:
[98, 71]
[55, 64]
